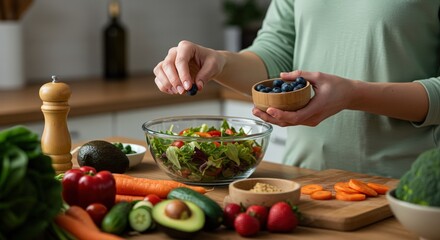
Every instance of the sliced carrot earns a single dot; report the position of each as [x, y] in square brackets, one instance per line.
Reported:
[322, 195]
[310, 188]
[379, 188]
[127, 198]
[171, 183]
[344, 187]
[350, 196]
[80, 214]
[362, 187]
[80, 230]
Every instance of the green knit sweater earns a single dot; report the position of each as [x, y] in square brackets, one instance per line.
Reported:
[368, 40]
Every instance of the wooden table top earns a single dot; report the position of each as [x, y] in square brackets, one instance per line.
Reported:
[386, 229]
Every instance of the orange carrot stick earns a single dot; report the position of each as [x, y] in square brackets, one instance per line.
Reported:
[321, 195]
[379, 188]
[171, 183]
[310, 188]
[137, 187]
[80, 231]
[350, 196]
[80, 214]
[344, 187]
[362, 187]
[127, 198]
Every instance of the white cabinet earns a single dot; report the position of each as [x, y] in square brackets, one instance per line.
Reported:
[129, 123]
[278, 137]
[84, 128]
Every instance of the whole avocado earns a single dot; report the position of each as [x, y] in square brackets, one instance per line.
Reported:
[102, 155]
[421, 184]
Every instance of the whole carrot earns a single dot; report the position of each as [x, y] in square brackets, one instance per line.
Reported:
[171, 183]
[127, 198]
[136, 187]
[80, 231]
[81, 215]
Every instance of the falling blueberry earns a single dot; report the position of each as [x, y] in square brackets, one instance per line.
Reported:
[193, 90]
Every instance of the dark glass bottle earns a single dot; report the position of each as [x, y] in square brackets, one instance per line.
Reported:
[115, 45]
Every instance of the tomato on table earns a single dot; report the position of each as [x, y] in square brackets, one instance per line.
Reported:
[153, 199]
[97, 212]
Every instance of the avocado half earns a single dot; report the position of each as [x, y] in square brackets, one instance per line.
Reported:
[177, 228]
[103, 155]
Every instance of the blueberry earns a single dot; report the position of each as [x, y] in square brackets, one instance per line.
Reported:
[286, 87]
[266, 89]
[277, 83]
[299, 86]
[276, 90]
[193, 90]
[300, 80]
[259, 87]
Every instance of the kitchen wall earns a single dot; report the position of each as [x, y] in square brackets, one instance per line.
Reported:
[63, 37]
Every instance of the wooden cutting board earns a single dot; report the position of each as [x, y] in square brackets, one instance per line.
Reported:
[342, 215]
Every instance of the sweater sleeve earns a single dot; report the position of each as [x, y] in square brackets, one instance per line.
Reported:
[432, 87]
[275, 41]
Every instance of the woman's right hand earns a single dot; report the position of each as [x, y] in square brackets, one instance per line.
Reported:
[186, 64]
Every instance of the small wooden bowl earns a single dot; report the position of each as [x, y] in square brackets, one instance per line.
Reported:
[287, 101]
[239, 192]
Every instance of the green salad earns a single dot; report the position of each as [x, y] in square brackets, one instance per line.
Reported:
[205, 161]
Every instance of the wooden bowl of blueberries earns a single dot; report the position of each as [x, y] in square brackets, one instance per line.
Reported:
[281, 94]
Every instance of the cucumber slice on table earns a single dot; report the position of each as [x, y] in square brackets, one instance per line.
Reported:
[140, 219]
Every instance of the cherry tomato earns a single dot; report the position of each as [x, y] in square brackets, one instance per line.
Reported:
[229, 131]
[178, 144]
[97, 211]
[153, 199]
[215, 133]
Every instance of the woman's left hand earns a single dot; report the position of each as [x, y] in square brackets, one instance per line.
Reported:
[332, 95]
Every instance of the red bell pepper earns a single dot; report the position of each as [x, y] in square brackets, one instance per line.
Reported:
[84, 186]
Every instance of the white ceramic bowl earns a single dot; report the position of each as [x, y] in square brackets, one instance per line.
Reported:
[423, 221]
[135, 158]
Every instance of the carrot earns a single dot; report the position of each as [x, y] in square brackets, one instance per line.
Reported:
[321, 195]
[350, 196]
[80, 230]
[379, 188]
[127, 198]
[171, 183]
[137, 187]
[310, 188]
[362, 187]
[344, 187]
[81, 215]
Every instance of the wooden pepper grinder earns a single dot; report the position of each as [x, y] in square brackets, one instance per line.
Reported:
[55, 141]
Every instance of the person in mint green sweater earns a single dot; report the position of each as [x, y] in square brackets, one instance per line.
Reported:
[374, 67]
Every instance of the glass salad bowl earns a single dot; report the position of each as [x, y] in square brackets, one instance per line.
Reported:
[207, 150]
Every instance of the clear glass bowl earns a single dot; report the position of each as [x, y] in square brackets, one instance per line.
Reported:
[197, 158]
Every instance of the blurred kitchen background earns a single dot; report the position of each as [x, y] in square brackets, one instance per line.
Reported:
[65, 38]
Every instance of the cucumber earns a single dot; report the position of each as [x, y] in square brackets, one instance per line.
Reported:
[140, 219]
[143, 203]
[213, 211]
[116, 220]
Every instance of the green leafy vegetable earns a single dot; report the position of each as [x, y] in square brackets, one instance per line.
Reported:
[421, 184]
[30, 196]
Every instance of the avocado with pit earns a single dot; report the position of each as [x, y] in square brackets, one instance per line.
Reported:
[177, 221]
[103, 155]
